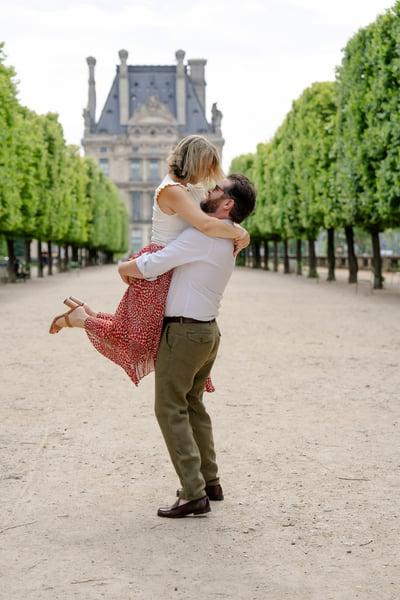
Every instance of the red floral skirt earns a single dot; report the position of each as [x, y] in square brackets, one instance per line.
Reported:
[131, 336]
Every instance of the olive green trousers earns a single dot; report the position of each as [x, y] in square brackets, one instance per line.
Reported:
[185, 356]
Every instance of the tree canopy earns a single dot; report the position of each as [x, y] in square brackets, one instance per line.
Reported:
[47, 190]
[335, 159]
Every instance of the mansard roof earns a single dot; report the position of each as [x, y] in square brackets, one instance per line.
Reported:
[145, 81]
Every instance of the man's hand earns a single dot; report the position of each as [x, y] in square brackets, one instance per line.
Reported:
[242, 240]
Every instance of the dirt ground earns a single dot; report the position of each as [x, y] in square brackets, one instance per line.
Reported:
[306, 417]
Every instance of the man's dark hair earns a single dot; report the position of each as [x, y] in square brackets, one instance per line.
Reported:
[243, 192]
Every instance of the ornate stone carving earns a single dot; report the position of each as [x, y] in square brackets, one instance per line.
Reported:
[216, 118]
[149, 115]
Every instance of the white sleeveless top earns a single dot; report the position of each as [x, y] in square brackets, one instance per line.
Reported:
[166, 228]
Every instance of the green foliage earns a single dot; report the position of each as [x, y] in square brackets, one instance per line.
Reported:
[73, 195]
[3, 247]
[53, 212]
[245, 164]
[47, 190]
[335, 159]
[294, 173]
[369, 124]
[280, 186]
[314, 138]
[10, 216]
[271, 214]
[242, 164]
[108, 224]
[29, 152]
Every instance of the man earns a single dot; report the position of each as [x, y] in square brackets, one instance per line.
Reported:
[189, 343]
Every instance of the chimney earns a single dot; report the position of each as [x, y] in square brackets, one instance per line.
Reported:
[90, 112]
[180, 88]
[197, 69]
[123, 88]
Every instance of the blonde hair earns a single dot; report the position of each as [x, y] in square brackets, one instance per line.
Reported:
[195, 159]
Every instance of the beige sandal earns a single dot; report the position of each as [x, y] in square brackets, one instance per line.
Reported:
[54, 328]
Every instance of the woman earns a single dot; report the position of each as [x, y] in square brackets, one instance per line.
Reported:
[131, 336]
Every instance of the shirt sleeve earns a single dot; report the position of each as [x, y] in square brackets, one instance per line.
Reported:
[191, 245]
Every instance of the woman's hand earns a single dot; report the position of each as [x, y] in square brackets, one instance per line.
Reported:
[128, 271]
[126, 279]
[242, 240]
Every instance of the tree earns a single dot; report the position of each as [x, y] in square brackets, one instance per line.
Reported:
[108, 225]
[10, 213]
[245, 164]
[314, 129]
[369, 129]
[30, 156]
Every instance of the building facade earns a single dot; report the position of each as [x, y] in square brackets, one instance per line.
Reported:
[147, 111]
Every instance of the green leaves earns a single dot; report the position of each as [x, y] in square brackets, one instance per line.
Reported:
[314, 137]
[369, 126]
[47, 190]
[294, 173]
[9, 200]
[335, 159]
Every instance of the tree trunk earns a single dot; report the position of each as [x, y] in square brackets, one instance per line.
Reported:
[376, 260]
[256, 254]
[331, 254]
[28, 258]
[109, 256]
[75, 257]
[12, 266]
[286, 265]
[40, 258]
[92, 256]
[276, 258]
[312, 260]
[244, 253]
[49, 259]
[266, 255]
[299, 258]
[66, 257]
[59, 259]
[351, 255]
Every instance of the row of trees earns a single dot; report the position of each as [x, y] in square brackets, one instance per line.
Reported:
[48, 192]
[334, 163]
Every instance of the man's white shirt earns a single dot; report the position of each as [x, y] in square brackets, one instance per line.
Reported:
[202, 267]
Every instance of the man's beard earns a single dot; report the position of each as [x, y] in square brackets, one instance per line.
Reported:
[207, 207]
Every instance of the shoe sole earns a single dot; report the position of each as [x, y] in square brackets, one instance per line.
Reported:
[202, 511]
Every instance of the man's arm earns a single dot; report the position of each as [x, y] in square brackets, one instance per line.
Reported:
[191, 245]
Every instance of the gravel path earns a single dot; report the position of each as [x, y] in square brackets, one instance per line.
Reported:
[306, 418]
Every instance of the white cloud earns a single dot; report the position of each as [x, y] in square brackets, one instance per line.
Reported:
[344, 12]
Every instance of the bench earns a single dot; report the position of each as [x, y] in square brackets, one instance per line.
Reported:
[74, 266]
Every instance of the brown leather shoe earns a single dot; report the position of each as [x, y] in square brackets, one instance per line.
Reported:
[194, 507]
[214, 492]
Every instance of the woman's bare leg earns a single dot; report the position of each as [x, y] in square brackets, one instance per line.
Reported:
[72, 302]
[75, 317]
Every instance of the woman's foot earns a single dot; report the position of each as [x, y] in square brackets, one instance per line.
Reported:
[75, 317]
[73, 302]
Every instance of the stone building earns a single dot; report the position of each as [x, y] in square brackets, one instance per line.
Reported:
[147, 111]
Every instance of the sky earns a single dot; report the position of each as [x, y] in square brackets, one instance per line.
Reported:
[261, 54]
